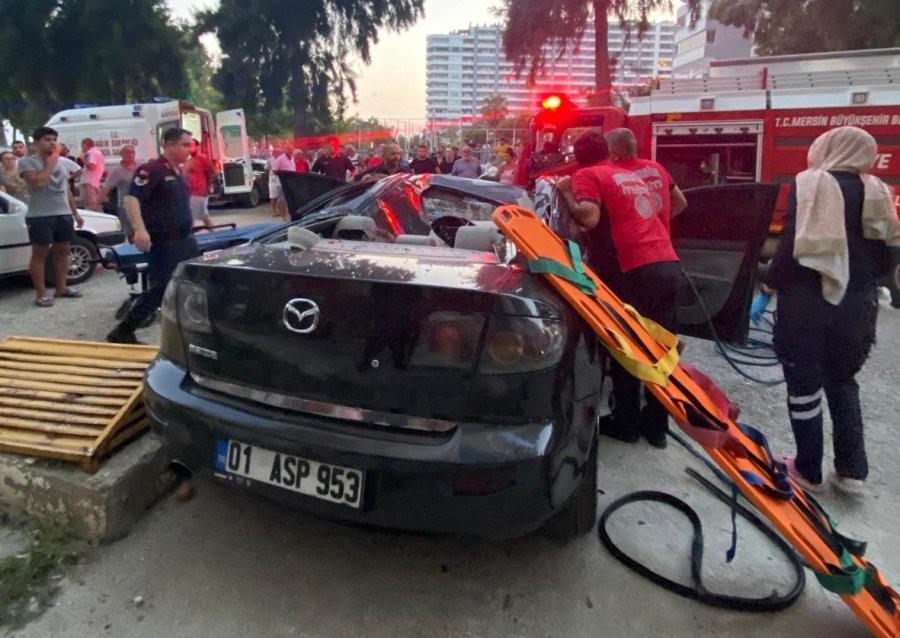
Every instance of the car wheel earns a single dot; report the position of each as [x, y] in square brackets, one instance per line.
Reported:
[894, 280]
[251, 199]
[579, 515]
[83, 257]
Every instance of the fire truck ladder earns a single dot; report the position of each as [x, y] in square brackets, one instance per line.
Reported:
[704, 413]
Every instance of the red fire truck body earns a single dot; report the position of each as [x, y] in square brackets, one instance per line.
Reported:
[754, 120]
[750, 121]
[722, 130]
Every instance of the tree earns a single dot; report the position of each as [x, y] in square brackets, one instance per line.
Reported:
[198, 65]
[296, 55]
[538, 29]
[787, 26]
[494, 110]
[56, 53]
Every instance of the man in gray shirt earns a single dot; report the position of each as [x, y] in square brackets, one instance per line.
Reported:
[51, 209]
[120, 177]
[467, 165]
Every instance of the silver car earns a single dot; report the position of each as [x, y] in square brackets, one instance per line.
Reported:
[99, 229]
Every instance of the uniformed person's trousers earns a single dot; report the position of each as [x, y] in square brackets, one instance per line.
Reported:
[163, 259]
[821, 348]
[653, 291]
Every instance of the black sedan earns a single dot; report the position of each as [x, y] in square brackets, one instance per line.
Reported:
[388, 360]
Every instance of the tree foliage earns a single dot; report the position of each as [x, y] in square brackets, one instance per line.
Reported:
[541, 30]
[284, 54]
[56, 53]
[494, 109]
[788, 26]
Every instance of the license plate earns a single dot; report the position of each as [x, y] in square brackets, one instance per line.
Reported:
[333, 483]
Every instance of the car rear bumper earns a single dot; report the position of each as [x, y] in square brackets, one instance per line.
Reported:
[412, 482]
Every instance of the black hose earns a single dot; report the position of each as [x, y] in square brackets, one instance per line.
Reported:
[698, 592]
[723, 348]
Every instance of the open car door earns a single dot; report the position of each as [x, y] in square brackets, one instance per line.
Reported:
[234, 151]
[718, 238]
[302, 188]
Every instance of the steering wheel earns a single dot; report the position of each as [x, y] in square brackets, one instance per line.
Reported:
[445, 227]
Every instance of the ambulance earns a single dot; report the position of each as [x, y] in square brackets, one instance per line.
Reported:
[222, 138]
[750, 120]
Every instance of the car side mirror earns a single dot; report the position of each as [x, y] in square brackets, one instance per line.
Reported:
[4, 205]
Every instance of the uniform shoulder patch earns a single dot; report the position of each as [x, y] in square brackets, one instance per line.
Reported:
[142, 177]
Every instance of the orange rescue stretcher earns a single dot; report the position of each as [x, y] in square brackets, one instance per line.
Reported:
[651, 353]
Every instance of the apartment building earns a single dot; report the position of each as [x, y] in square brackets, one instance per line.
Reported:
[463, 68]
[708, 40]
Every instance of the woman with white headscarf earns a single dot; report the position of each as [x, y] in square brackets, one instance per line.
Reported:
[839, 226]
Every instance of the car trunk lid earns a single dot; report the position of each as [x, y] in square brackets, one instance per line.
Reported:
[338, 328]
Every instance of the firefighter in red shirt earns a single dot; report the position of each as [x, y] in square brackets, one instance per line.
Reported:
[667, 197]
[629, 247]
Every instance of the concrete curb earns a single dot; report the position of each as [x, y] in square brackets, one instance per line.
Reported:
[98, 507]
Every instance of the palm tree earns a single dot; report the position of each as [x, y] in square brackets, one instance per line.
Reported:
[534, 27]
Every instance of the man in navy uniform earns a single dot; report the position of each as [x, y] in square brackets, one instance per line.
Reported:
[158, 207]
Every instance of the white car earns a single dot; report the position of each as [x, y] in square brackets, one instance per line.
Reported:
[99, 229]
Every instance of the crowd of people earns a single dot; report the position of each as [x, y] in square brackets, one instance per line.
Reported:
[345, 163]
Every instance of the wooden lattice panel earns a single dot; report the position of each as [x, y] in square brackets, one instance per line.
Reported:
[70, 400]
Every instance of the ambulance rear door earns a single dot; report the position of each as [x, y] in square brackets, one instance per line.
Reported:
[234, 152]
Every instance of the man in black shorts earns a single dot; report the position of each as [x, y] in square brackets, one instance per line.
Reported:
[51, 210]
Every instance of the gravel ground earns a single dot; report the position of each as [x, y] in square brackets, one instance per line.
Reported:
[91, 317]
[229, 564]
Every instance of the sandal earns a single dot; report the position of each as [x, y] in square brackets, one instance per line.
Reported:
[70, 293]
[43, 302]
[798, 478]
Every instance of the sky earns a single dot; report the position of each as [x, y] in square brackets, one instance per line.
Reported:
[393, 85]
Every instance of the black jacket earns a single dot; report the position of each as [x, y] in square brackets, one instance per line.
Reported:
[869, 259]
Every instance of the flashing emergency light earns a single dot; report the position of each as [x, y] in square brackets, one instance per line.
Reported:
[552, 102]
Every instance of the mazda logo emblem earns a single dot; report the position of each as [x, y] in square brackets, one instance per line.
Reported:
[300, 315]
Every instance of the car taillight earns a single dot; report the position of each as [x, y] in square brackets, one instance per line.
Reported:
[193, 313]
[170, 344]
[520, 344]
[448, 340]
[511, 345]
[169, 308]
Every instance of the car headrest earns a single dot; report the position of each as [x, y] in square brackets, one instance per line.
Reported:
[480, 237]
[301, 238]
[356, 228]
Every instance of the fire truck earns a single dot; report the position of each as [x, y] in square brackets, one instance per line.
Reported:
[750, 120]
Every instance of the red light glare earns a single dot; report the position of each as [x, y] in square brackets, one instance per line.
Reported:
[552, 102]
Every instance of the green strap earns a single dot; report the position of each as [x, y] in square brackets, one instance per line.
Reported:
[546, 266]
[575, 254]
[849, 579]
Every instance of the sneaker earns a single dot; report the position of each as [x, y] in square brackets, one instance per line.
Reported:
[798, 478]
[122, 336]
[609, 427]
[655, 433]
[658, 440]
[849, 486]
